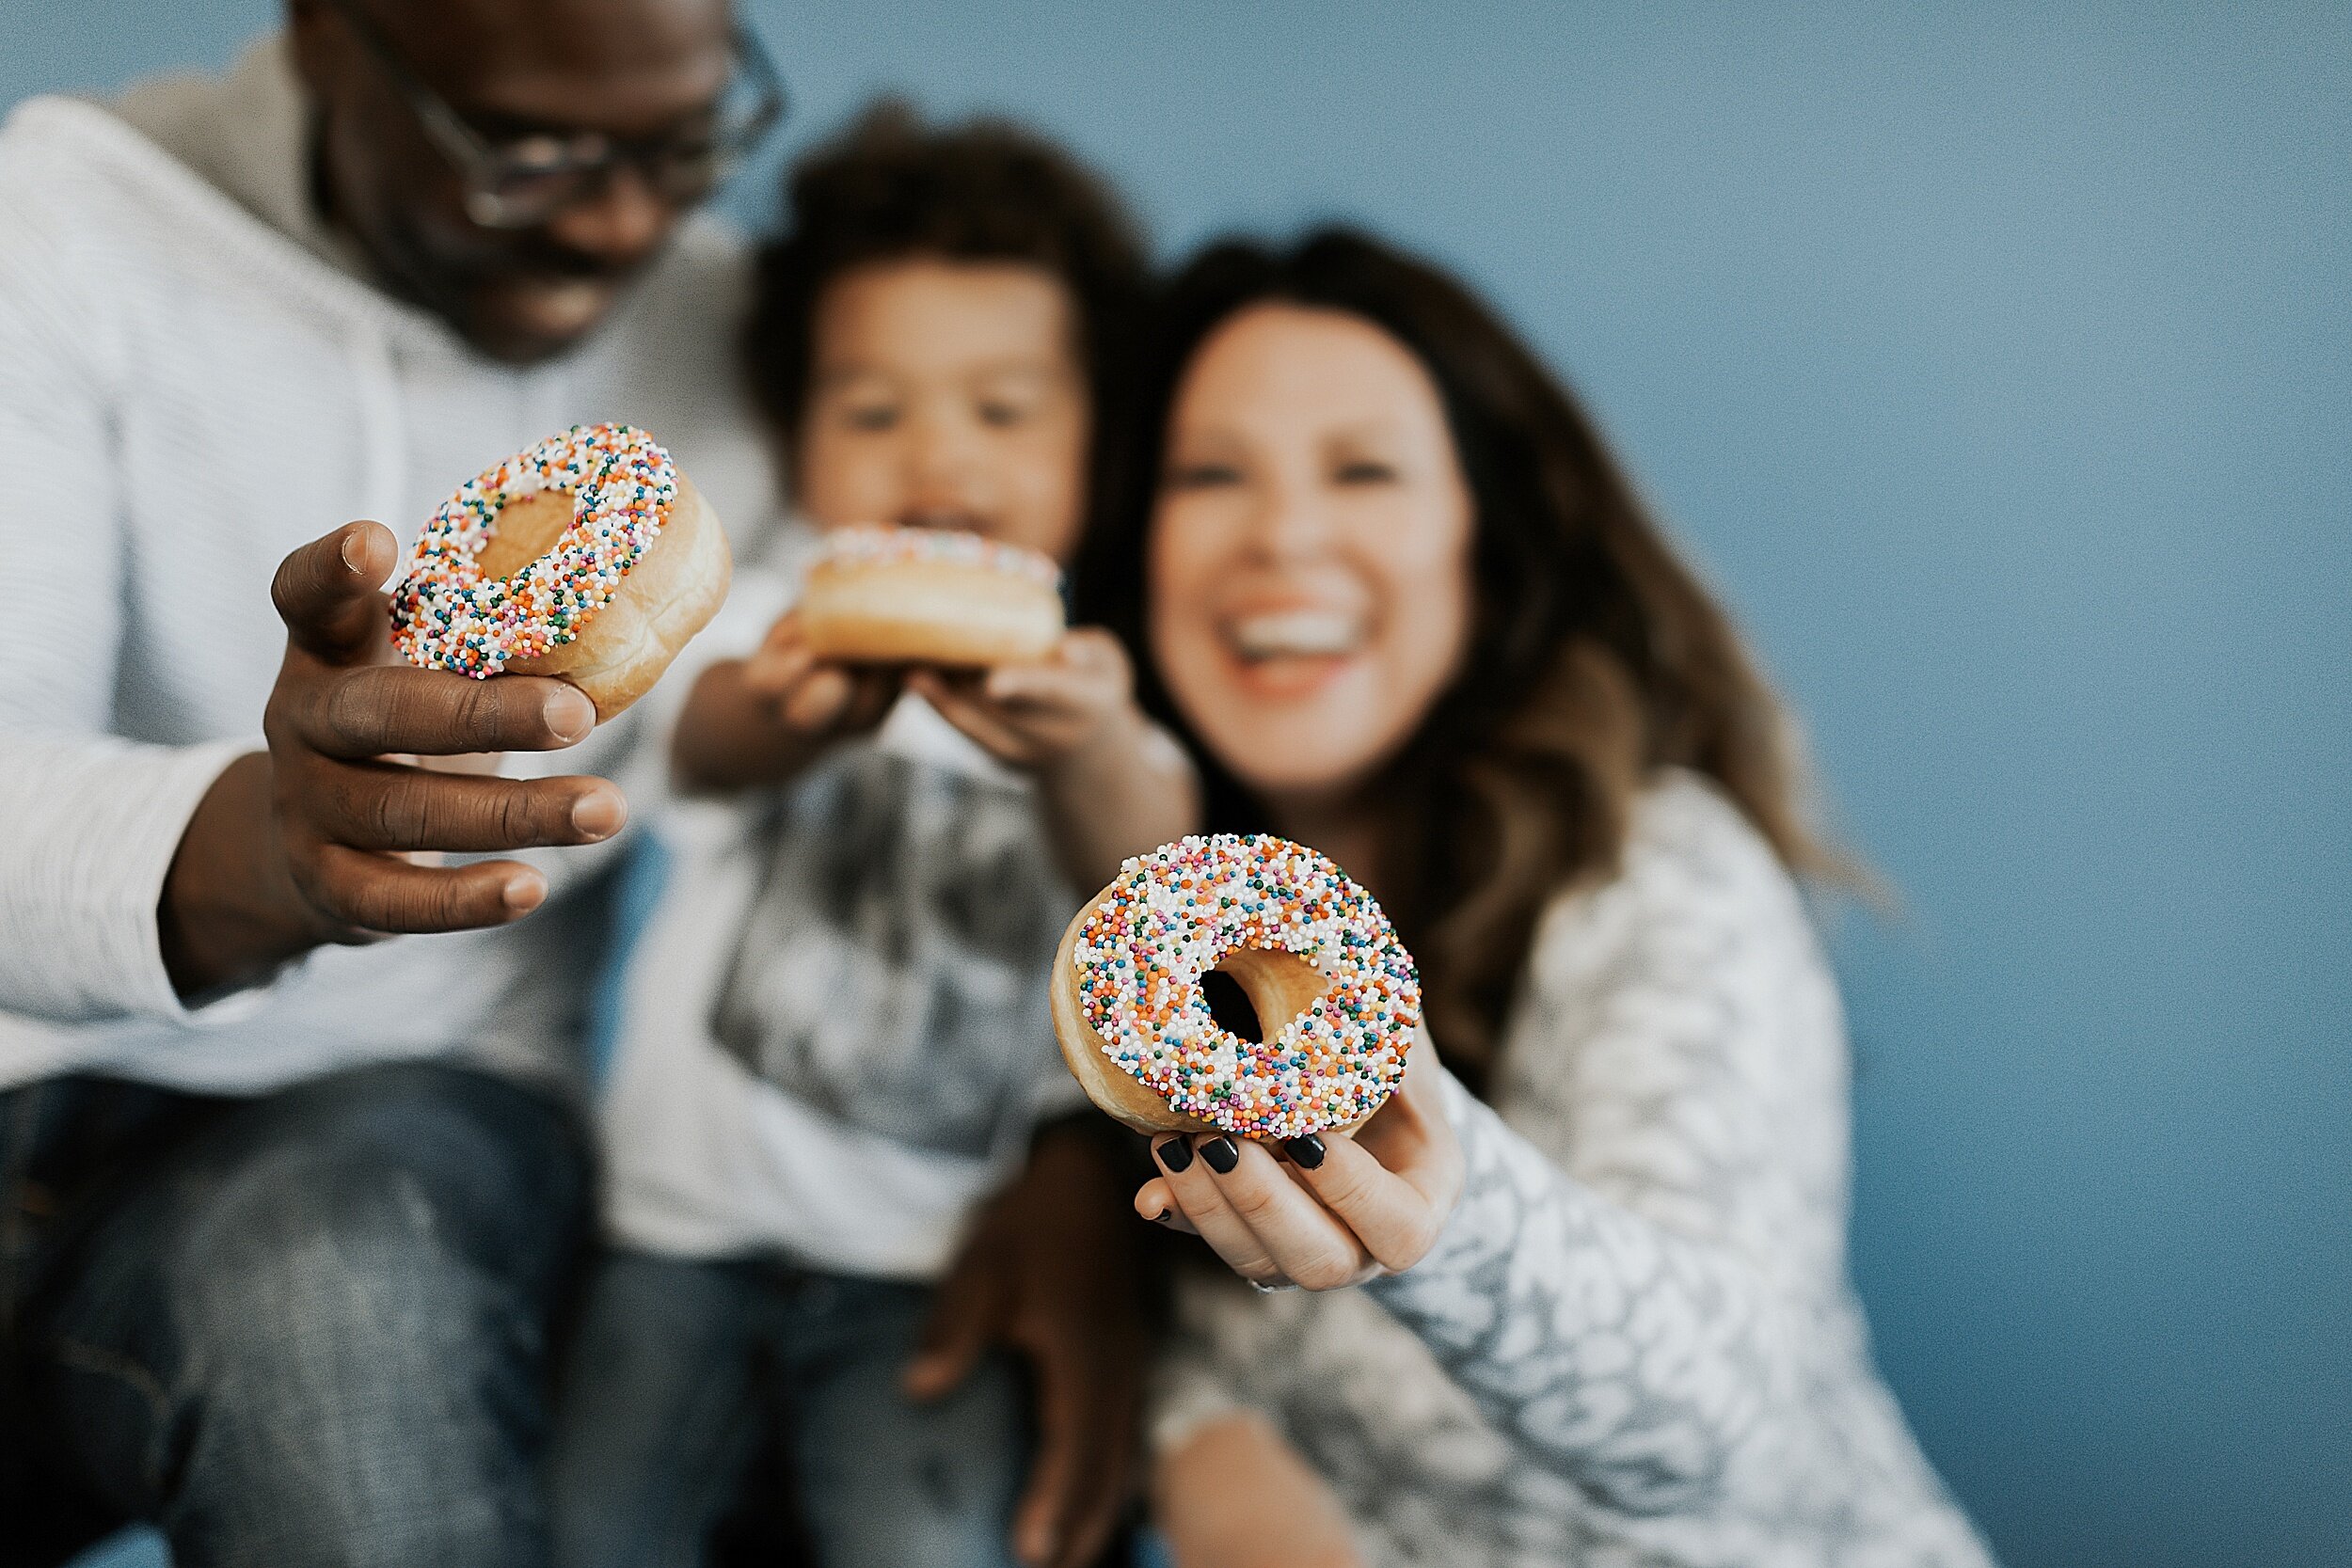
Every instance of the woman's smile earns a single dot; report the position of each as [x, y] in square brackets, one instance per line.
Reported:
[1265, 637]
[1309, 557]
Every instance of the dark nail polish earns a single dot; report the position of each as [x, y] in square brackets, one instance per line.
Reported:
[1160, 1218]
[1305, 1152]
[1175, 1155]
[1221, 1154]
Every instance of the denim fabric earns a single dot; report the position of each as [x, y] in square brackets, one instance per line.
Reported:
[141, 1547]
[308, 1328]
[685, 1371]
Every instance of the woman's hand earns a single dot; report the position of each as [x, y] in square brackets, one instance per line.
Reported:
[759, 721]
[1335, 1211]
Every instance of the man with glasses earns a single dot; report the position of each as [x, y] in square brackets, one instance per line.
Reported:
[286, 1208]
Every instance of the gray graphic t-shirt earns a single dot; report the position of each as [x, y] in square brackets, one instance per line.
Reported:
[892, 972]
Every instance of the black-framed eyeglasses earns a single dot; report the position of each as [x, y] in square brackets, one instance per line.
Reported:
[524, 180]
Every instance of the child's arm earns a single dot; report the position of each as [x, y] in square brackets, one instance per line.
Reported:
[760, 721]
[1113, 783]
[1234, 1495]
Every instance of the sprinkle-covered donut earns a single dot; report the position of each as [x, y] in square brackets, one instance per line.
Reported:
[1173, 915]
[892, 547]
[448, 614]
[925, 595]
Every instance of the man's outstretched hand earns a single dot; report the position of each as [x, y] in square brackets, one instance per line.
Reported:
[301, 844]
[1054, 1270]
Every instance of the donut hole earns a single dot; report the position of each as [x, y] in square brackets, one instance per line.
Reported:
[525, 529]
[1231, 1006]
[1263, 989]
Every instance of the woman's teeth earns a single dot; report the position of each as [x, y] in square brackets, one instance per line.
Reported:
[1297, 634]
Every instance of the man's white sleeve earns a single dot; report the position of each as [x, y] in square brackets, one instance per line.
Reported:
[89, 820]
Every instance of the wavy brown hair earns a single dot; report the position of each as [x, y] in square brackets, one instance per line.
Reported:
[1596, 657]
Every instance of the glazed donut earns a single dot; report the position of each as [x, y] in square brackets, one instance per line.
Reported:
[589, 558]
[1335, 990]
[921, 595]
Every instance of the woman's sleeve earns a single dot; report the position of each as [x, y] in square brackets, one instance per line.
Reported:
[1626, 1283]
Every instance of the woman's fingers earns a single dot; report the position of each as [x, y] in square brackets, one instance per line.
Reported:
[1266, 1226]
[1341, 1211]
[1187, 1169]
[1307, 1244]
[1396, 1182]
[1385, 1213]
[1410, 1134]
[1155, 1201]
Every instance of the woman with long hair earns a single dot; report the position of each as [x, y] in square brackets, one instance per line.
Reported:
[1387, 581]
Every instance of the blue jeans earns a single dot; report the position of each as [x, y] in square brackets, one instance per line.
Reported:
[685, 1372]
[309, 1328]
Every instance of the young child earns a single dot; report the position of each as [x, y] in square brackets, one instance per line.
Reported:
[833, 1035]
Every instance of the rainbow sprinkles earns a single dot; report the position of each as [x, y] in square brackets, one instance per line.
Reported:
[447, 615]
[1172, 915]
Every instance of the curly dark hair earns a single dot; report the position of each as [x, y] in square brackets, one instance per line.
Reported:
[1595, 655]
[890, 188]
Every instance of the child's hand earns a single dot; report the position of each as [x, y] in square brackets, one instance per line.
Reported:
[1075, 700]
[810, 696]
[1114, 783]
[761, 720]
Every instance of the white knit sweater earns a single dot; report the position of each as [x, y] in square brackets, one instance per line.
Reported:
[1635, 1342]
[192, 383]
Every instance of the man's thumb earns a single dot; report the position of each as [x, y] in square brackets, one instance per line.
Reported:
[326, 590]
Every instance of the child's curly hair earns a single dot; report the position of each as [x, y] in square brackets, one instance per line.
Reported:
[890, 189]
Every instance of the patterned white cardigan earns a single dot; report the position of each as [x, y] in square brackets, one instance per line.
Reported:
[1635, 1341]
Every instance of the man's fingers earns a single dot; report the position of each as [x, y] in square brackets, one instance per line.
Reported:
[1091, 1511]
[376, 892]
[1058, 1468]
[366, 713]
[325, 591]
[387, 806]
[962, 1325]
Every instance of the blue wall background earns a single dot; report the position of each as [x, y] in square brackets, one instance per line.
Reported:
[1998, 362]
